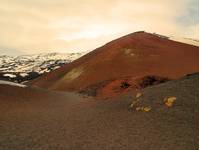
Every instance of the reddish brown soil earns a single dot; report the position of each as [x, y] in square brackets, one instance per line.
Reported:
[124, 85]
[115, 87]
[134, 55]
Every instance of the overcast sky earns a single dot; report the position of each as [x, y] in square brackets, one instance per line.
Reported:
[35, 26]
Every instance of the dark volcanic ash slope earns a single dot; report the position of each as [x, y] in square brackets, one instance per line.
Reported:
[135, 55]
[38, 119]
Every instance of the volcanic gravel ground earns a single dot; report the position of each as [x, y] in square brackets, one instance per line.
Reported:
[37, 119]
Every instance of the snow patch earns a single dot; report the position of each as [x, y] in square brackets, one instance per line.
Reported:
[23, 74]
[12, 84]
[161, 36]
[10, 75]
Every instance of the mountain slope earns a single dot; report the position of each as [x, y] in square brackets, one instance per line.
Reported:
[32, 118]
[185, 40]
[132, 56]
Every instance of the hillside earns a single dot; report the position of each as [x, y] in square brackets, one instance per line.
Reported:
[126, 59]
[32, 118]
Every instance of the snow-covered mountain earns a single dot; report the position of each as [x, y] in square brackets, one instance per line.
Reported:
[26, 67]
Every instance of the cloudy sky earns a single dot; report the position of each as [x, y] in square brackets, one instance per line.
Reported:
[37, 26]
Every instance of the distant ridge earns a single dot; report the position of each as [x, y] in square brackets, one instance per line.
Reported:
[26, 67]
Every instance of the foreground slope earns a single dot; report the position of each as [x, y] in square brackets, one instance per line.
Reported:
[38, 119]
[134, 55]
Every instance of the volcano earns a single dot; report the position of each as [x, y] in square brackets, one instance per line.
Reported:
[124, 61]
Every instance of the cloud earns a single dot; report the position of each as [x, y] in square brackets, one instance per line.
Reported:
[32, 26]
[190, 16]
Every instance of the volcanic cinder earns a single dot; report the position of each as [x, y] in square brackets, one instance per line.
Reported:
[37, 119]
[128, 58]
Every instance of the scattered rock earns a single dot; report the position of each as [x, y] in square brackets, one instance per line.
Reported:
[144, 109]
[138, 95]
[169, 101]
[133, 103]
